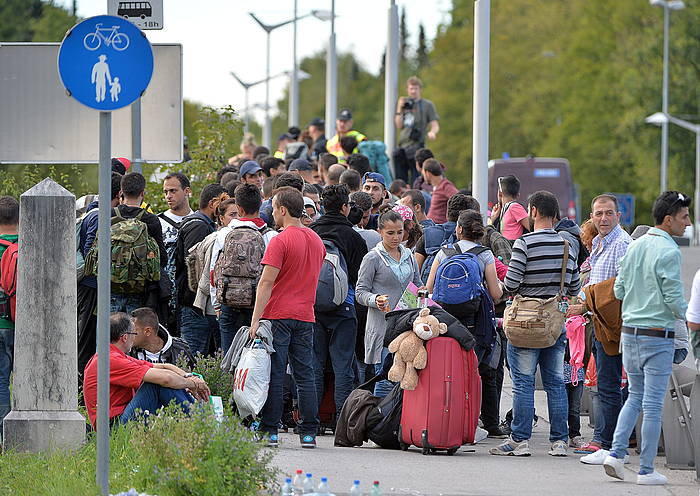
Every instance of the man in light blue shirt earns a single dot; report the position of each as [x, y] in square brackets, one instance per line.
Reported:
[650, 287]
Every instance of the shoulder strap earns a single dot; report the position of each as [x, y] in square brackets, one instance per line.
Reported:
[564, 263]
[138, 217]
[118, 214]
[170, 221]
[478, 250]
[503, 214]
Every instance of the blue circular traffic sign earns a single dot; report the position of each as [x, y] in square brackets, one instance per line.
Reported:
[105, 62]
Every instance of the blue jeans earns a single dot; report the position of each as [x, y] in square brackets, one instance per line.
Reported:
[334, 341]
[523, 365]
[7, 346]
[293, 342]
[609, 393]
[125, 302]
[383, 387]
[648, 361]
[597, 415]
[197, 329]
[230, 321]
[150, 397]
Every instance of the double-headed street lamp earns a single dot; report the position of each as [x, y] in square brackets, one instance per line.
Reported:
[301, 75]
[667, 5]
[661, 119]
[268, 28]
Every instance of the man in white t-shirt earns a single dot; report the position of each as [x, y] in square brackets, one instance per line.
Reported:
[693, 318]
[177, 192]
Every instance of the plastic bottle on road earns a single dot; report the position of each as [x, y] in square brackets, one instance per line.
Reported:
[322, 489]
[298, 483]
[308, 486]
[287, 489]
[375, 489]
[355, 489]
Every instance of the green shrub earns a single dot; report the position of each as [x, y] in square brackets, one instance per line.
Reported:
[171, 455]
[220, 382]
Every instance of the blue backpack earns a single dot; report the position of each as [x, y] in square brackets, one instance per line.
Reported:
[459, 281]
[332, 289]
[375, 151]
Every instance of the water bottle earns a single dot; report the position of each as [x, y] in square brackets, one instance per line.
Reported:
[298, 484]
[308, 486]
[375, 489]
[322, 489]
[287, 489]
[257, 344]
[355, 489]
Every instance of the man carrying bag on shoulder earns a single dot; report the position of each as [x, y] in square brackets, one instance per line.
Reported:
[542, 271]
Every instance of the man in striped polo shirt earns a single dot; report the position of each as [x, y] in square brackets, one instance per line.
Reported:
[535, 271]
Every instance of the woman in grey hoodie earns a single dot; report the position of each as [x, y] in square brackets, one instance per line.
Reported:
[385, 271]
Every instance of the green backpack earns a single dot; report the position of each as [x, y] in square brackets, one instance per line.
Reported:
[135, 255]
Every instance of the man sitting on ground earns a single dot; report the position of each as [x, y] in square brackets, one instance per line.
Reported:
[153, 343]
[136, 385]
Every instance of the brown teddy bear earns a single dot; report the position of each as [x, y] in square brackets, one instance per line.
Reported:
[409, 350]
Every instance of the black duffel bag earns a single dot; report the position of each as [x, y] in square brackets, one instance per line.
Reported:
[384, 420]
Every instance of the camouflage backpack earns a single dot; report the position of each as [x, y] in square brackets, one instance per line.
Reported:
[135, 255]
[237, 270]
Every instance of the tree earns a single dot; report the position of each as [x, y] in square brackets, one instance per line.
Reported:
[421, 49]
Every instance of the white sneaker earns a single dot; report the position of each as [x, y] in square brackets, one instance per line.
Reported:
[652, 479]
[595, 458]
[480, 435]
[558, 448]
[614, 467]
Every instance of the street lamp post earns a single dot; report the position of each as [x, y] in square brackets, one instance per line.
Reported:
[667, 5]
[331, 76]
[391, 81]
[661, 118]
[480, 118]
[246, 87]
[268, 28]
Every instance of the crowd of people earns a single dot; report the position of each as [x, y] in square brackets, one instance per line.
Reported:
[185, 281]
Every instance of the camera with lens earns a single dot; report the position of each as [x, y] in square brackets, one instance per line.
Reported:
[408, 104]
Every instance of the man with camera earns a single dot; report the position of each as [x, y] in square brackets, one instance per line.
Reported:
[413, 116]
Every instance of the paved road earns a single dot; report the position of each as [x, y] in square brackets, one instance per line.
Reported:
[478, 473]
[473, 473]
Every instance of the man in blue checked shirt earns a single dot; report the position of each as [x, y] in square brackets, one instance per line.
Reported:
[608, 249]
[650, 287]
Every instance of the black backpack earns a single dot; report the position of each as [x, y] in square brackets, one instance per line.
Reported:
[384, 420]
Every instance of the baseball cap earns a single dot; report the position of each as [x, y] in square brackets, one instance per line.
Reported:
[317, 121]
[373, 177]
[308, 202]
[285, 136]
[345, 115]
[249, 167]
[120, 165]
[301, 165]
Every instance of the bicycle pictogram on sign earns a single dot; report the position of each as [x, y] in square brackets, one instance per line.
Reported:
[110, 36]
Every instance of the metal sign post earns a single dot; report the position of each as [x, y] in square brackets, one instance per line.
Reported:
[105, 63]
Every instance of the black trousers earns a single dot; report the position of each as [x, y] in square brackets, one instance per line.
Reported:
[87, 328]
[491, 386]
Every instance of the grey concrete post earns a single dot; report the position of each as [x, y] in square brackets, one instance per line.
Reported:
[45, 386]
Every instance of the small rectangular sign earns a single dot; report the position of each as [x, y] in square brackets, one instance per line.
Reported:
[549, 172]
[146, 15]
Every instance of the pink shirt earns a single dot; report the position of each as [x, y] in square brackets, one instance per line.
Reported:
[511, 228]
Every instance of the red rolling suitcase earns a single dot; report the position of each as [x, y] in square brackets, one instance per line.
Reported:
[442, 413]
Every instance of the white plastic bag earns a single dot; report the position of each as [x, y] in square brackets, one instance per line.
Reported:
[251, 381]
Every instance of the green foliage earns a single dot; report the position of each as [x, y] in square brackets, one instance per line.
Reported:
[79, 179]
[33, 20]
[572, 79]
[220, 382]
[174, 455]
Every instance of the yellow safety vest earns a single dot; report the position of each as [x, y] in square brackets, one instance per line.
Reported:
[334, 148]
[278, 154]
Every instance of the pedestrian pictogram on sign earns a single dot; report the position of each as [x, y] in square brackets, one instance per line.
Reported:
[105, 62]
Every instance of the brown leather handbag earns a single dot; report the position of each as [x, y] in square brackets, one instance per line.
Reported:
[531, 322]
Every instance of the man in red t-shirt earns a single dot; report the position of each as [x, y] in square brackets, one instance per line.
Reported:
[136, 384]
[286, 295]
[443, 190]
